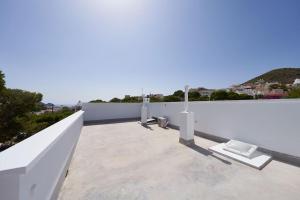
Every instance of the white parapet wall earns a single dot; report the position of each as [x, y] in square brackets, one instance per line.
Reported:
[111, 111]
[34, 169]
[271, 124]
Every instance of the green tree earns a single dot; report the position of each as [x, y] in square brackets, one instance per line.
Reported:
[2, 82]
[17, 114]
[115, 100]
[224, 95]
[204, 98]
[194, 96]
[219, 95]
[15, 105]
[156, 99]
[294, 93]
[97, 101]
[34, 123]
[172, 98]
[179, 93]
[233, 96]
[245, 97]
[131, 100]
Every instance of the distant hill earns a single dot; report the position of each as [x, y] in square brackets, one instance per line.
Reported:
[281, 75]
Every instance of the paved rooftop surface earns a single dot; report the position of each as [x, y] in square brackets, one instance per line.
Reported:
[128, 161]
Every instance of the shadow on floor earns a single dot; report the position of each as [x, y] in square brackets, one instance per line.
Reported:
[220, 159]
[147, 127]
[200, 150]
[207, 153]
[109, 121]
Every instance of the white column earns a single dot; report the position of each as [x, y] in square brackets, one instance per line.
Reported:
[186, 98]
[186, 122]
[144, 111]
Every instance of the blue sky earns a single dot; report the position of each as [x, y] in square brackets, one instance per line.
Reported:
[72, 50]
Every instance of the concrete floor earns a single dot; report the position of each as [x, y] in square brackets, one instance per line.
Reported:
[128, 161]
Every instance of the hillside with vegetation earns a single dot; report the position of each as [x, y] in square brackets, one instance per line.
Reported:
[284, 77]
[281, 75]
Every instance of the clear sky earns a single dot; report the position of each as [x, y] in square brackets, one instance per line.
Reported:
[72, 50]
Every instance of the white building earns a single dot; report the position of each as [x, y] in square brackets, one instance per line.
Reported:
[296, 82]
[203, 91]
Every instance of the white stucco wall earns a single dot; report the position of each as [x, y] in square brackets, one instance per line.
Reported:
[35, 168]
[106, 111]
[271, 124]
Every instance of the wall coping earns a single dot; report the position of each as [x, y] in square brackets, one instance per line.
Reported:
[20, 158]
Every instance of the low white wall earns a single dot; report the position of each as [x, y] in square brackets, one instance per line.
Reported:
[35, 168]
[107, 111]
[271, 124]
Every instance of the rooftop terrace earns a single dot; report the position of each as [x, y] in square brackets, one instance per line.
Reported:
[116, 158]
[128, 161]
